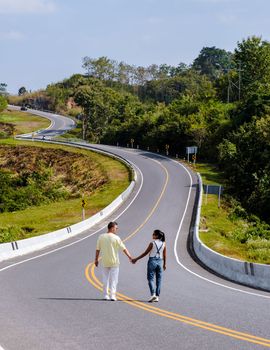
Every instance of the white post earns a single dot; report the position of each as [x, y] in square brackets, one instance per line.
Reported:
[206, 194]
[219, 194]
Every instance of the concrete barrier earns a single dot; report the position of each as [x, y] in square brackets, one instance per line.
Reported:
[24, 246]
[250, 274]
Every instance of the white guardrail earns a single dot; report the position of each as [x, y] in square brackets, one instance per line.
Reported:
[251, 274]
[25, 246]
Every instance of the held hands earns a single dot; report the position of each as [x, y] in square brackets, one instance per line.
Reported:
[133, 261]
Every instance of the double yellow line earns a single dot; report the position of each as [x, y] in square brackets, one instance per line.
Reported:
[91, 277]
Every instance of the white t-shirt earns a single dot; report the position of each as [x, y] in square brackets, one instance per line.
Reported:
[157, 249]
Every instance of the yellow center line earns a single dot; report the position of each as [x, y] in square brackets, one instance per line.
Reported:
[91, 277]
[155, 206]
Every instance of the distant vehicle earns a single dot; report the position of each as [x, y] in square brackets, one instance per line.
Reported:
[23, 108]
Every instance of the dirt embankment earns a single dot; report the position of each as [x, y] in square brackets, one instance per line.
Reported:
[78, 172]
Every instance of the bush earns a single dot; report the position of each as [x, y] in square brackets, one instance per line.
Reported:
[3, 135]
[3, 103]
[74, 112]
[236, 211]
[28, 189]
[256, 231]
[10, 233]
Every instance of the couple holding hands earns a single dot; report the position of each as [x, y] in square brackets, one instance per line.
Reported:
[108, 245]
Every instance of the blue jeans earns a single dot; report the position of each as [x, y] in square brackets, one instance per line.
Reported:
[154, 269]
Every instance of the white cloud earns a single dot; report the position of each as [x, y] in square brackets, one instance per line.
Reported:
[26, 6]
[11, 35]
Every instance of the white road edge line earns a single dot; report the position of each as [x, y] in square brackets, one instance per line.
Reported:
[175, 243]
[194, 273]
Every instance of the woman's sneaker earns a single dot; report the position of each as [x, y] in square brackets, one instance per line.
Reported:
[153, 298]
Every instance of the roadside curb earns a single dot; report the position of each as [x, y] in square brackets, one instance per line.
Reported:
[250, 274]
[13, 249]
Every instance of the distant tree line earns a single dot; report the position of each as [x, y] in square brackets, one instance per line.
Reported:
[220, 103]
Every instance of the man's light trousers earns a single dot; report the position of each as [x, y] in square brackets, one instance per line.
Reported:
[110, 280]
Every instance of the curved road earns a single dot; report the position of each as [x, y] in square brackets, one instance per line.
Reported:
[52, 299]
[59, 124]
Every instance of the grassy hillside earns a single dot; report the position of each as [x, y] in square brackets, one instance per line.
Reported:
[42, 185]
[21, 122]
[99, 178]
[228, 229]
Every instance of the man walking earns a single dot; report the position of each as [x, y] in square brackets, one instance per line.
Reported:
[109, 244]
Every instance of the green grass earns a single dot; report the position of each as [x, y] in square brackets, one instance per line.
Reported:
[219, 229]
[35, 221]
[47, 218]
[210, 173]
[216, 229]
[24, 122]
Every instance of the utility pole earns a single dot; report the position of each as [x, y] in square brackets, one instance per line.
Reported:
[231, 83]
[239, 81]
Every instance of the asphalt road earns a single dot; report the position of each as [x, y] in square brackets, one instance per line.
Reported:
[59, 124]
[53, 300]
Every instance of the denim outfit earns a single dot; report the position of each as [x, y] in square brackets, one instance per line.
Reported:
[155, 268]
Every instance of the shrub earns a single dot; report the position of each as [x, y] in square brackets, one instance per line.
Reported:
[27, 189]
[10, 233]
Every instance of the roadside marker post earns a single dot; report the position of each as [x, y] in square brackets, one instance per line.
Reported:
[83, 210]
[191, 150]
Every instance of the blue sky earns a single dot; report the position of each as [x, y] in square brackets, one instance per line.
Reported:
[44, 41]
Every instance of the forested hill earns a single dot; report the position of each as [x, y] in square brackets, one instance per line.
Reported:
[219, 103]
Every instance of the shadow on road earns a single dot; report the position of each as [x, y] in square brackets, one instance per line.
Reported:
[92, 299]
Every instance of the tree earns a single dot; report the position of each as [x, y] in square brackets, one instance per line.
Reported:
[245, 158]
[124, 73]
[252, 56]
[22, 91]
[102, 68]
[3, 89]
[99, 104]
[212, 62]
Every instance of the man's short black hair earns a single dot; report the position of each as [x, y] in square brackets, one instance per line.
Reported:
[112, 224]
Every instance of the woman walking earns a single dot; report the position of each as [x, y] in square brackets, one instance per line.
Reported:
[156, 263]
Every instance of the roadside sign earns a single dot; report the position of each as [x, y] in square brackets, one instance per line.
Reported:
[213, 189]
[192, 149]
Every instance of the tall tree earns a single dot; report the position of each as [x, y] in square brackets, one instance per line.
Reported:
[102, 67]
[99, 106]
[212, 61]
[252, 56]
[3, 89]
[22, 91]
